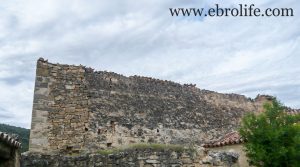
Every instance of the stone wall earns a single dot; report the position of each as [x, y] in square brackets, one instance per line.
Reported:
[133, 158]
[145, 158]
[76, 108]
[237, 148]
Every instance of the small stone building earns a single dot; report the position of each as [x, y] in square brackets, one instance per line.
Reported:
[9, 151]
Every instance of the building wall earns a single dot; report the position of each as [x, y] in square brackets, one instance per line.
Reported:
[238, 148]
[134, 158]
[60, 108]
[77, 108]
[9, 155]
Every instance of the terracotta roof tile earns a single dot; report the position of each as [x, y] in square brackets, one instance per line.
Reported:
[9, 140]
[235, 138]
[229, 139]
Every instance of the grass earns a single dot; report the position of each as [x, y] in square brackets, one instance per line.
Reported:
[157, 147]
[73, 154]
[143, 146]
[109, 151]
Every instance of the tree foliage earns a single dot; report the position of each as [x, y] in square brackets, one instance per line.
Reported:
[273, 137]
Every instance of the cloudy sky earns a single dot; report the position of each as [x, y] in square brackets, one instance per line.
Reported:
[244, 55]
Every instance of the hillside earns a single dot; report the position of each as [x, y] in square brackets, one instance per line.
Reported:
[22, 132]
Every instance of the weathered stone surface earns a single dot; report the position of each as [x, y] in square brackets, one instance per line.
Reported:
[133, 158]
[221, 158]
[128, 158]
[76, 108]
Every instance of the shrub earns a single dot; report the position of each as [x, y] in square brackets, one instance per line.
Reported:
[273, 137]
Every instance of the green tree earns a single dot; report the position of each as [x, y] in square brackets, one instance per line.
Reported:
[272, 137]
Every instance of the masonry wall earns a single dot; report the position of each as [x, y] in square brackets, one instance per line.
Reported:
[132, 158]
[141, 158]
[76, 108]
[9, 155]
[238, 148]
[60, 108]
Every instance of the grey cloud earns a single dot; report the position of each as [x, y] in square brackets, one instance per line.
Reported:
[238, 55]
[5, 115]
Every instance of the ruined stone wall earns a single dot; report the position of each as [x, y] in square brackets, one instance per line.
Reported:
[76, 108]
[145, 158]
[133, 158]
[60, 108]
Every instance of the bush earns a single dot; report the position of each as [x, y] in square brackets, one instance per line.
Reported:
[273, 137]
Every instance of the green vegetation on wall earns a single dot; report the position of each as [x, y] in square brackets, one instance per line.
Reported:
[144, 146]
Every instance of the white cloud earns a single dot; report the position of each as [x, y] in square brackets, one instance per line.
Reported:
[239, 55]
[16, 103]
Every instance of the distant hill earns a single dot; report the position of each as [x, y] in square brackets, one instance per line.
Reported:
[22, 132]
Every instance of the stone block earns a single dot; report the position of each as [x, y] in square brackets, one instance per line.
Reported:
[70, 87]
[41, 91]
[152, 161]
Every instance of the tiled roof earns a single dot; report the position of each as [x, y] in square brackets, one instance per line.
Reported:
[229, 139]
[9, 140]
[235, 138]
[292, 111]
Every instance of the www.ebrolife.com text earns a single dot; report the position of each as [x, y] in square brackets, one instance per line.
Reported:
[242, 10]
